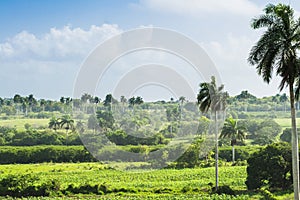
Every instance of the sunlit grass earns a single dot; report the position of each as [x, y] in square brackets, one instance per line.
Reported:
[19, 123]
[285, 122]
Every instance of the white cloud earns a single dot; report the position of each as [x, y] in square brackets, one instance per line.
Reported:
[66, 43]
[46, 65]
[230, 56]
[203, 7]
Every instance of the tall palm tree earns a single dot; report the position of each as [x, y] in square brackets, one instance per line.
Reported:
[96, 102]
[25, 105]
[42, 104]
[17, 100]
[181, 101]
[31, 102]
[276, 50]
[211, 97]
[123, 100]
[131, 102]
[234, 132]
[283, 99]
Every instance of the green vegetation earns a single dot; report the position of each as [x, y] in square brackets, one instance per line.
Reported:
[19, 123]
[277, 51]
[42, 153]
[178, 123]
[64, 178]
[271, 167]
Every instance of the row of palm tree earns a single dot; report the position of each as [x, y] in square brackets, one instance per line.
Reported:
[65, 122]
[276, 51]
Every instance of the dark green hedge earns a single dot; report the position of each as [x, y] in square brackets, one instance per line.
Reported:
[241, 152]
[39, 154]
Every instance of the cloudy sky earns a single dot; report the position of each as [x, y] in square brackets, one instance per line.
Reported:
[43, 44]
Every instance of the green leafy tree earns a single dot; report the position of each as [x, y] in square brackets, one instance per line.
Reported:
[131, 102]
[213, 98]
[203, 125]
[139, 100]
[234, 132]
[62, 100]
[85, 98]
[271, 167]
[105, 119]
[276, 50]
[245, 97]
[92, 123]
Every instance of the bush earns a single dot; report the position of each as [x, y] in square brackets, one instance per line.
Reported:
[267, 194]
[26, 185]
[190, 158]
[39, 154]
[225, 189]
[241, 152]
[271, 167]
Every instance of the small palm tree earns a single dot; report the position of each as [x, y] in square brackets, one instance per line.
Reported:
[54, 124]
[67, 123]
[211, 97]
[232, 131]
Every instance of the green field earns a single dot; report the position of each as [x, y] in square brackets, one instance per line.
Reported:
[146, 181]
[19, 123]
[155, 184]
[285, 122]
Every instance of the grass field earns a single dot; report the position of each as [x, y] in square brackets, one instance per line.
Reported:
[156, 184]
[285, 122]
[19, 123]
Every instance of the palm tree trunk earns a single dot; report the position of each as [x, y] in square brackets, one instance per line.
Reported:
[233, 154]
[284, 107]
[217, 151]
[295, 150]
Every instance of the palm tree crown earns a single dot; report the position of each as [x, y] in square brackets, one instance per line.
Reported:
[211, 97]
[232, 131]
[276, 50]
[67, 123]
[54, 123]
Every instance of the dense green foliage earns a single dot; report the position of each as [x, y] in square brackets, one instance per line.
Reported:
[40, 154]
[31, 137]
[271, 167]
[95, 178]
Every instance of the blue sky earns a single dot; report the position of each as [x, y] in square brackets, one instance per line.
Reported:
[44, 43]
